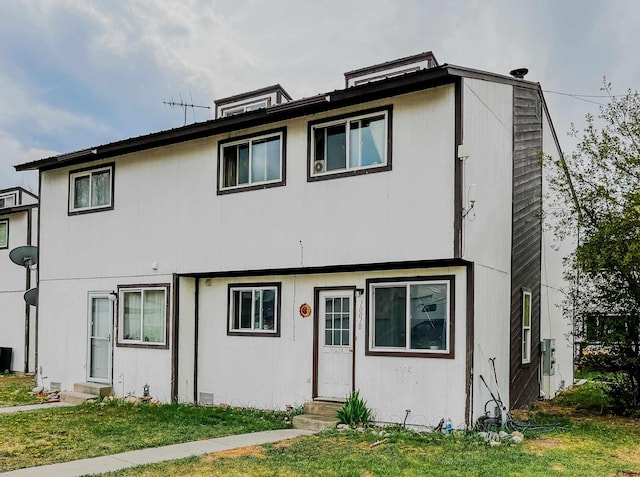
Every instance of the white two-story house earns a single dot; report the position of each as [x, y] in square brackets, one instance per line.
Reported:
[385, 237]
[18, 228]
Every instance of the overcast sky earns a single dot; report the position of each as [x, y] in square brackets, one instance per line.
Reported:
[80, 73]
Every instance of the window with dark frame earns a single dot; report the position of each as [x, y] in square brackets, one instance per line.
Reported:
[252, 161]
[411, 316]
[7, 200]
[143, 316]
[355, 143]
[254, 309]
[4, 233]
[526, 326]
[91, 189]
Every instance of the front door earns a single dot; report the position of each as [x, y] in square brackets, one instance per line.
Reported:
[335, 347]
[100, 332]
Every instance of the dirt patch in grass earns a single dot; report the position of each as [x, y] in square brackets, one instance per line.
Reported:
[249, 451]
[631, 455]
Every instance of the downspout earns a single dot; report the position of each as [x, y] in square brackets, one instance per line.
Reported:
[27, 307]
[196, 313]
[36, 331]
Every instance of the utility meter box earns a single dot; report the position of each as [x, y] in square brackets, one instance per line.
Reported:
[548, 357]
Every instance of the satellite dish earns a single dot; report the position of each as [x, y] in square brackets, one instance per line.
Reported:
[25, 256]
[31, 296]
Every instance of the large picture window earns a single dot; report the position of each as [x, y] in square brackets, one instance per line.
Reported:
[143, 316]
[256, 161]
[411, 316]
[352, 144]
[254, 309]
[4, 233]
[91, 190]
[526, 326]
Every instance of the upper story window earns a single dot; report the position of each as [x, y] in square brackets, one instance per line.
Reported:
[4, 233]
[254, 309]
[526, 326]
[244, 108]
[91, 189]
[142, 317]
[252, 162]
[411, 317]
[346, 145]
[7, 200]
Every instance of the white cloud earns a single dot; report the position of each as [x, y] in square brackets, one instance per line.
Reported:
[13, 153]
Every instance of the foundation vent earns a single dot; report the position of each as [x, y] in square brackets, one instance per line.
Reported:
[206, 399]
[54, 386]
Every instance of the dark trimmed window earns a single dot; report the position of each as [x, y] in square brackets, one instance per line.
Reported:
[411, 316]
[143, 315]
[91, 189]
[254, 309]
[353, 144]
[251, 162]
[4, 233]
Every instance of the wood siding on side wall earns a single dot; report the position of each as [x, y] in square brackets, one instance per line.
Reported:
[526, 241]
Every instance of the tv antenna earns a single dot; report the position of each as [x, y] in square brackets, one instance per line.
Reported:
[184, 105]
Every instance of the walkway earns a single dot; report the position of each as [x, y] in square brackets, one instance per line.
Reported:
[151, 455]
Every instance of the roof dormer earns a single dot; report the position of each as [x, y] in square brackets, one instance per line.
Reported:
[251, 101]
[398, 67]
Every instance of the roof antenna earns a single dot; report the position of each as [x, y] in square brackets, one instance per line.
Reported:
[184, 107]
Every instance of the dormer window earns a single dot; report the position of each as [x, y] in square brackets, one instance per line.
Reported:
[244, 108]
[251, 101]
[7, 200]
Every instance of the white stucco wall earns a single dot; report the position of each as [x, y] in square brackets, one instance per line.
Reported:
[63, 337]
[270, 372]
[167, 211]
[488, 136]
[12, 288]
[554, 323]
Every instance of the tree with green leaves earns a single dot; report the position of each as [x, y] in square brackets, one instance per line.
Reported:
[598, 195]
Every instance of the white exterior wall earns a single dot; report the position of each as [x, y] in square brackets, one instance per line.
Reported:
[166, 210]
[553, 323]
[12, 288]
[166, 207]
[270, 372]
[64, 335]
[488, 136]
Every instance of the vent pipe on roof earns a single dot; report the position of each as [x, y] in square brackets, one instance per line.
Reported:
[519, 72]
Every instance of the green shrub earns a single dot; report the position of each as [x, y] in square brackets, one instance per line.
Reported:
[624, 391]
[355, 411]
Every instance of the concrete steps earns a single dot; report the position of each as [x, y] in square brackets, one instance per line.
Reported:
[85, 392]
[317, 416]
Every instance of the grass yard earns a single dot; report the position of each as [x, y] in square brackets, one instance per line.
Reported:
[584, 443]
[67, 433]
[578, 439]
[15, 388]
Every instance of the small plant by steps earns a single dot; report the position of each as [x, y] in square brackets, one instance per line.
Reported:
[355, 412]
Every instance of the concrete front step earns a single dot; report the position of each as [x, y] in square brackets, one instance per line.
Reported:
[323, 408]
[313, 422]
[318, 415]
[73, 397]
[96, 389]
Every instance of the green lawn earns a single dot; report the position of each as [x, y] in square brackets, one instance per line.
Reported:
[584, 450]
[68, 433]
[15, 388]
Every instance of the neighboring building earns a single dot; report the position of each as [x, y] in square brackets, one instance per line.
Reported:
[18, 227]
[385, 237]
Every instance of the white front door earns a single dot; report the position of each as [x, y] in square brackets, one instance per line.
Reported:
[335, 347]
[100, 332]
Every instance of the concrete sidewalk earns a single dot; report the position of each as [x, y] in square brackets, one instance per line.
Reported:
[33, 407]
[156, 454]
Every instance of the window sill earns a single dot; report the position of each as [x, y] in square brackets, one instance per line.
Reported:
[142, 345]
[411, 354]
[263, 334]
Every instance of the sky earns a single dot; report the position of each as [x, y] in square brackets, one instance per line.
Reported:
[80, 73]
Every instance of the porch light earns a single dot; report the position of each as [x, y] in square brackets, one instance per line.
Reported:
[113, 297]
